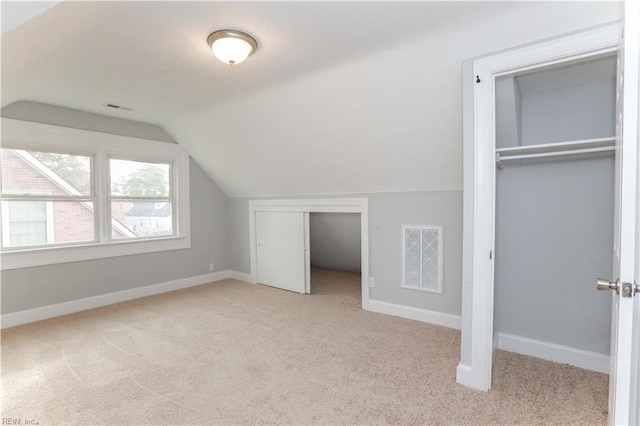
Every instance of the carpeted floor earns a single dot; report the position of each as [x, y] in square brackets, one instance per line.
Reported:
[236, 353]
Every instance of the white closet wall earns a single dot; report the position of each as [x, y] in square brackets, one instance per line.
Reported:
[554, 217]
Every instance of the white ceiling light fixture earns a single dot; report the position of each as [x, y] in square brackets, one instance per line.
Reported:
[231, 46]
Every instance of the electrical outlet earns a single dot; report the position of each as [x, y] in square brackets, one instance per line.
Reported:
[211, 267]
[371, 282]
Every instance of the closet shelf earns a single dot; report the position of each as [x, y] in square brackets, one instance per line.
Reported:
[585, 146]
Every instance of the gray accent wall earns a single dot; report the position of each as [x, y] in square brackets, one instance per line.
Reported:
[554, 217]
[387, 213]
[34, 287]
[570, 113]
[335, 241]
[67, 117]
[508, 112]
[554, 237]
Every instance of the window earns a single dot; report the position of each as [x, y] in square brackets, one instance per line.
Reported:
[144, 189]
[422, 258]
[71, 195]
[47, 198]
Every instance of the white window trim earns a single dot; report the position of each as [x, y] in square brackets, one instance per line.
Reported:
[33, 136]
[439, 290]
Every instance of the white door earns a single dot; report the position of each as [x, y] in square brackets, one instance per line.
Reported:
[623, 379]
[280, 240]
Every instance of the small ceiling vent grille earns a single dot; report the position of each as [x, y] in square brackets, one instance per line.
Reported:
[116, 106]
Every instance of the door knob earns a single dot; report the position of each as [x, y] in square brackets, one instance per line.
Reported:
[604, 285]
[627, 289]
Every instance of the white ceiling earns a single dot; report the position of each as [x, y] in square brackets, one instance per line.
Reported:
[153, 56]
[16, 13]
[340, 97]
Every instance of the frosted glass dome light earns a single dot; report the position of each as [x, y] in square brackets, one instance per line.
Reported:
[232, 47]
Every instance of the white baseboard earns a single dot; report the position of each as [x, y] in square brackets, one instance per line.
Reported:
[588, 360]
[431, 317]
[241, 276]
[50, 311]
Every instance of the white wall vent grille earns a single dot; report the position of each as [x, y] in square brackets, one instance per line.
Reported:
[422, 258]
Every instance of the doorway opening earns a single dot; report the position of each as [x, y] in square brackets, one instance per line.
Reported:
[484, 157]
[552, 241]
[555, 134]
[336, 256]
[481, 158]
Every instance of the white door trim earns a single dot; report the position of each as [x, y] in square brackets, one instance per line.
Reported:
[480, 236]
[316, 205]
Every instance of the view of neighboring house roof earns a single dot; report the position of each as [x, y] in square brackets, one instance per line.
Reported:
[61, 183]
[150, 209]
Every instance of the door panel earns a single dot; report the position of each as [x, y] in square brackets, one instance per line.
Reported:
[280, 239]
[623, 376]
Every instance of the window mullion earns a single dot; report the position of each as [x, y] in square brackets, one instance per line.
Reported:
[102, 209]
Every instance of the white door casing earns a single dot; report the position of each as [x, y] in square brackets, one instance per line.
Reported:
[623, 375]
[280, 243]
[307, 253]
[477, 333]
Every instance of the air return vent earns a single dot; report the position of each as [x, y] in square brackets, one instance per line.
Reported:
[422, 258]
[116, 106]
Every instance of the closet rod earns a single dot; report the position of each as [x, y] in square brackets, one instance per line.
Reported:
[500, 158]
[558, 146]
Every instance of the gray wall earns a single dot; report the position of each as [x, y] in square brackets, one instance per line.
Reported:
[554, 223]
[67, 117]
[335, 241]
[508, 112]
[554, 237]
[27, 288]
[571, 113]
[387, 212]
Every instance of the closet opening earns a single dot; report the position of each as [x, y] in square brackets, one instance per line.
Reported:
[577, 212]
[554, 213]
[335, 256]
[285, 234]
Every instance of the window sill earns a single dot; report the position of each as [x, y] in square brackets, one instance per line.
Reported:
[53, 255]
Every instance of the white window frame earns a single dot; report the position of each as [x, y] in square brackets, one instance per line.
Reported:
[36, 136]
[439, 290]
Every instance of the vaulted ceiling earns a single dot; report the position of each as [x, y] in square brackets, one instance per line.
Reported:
[341, 97]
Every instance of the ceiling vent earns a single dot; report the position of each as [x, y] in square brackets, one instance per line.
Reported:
[116, 106]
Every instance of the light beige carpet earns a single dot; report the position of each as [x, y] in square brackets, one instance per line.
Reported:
[236, 353]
